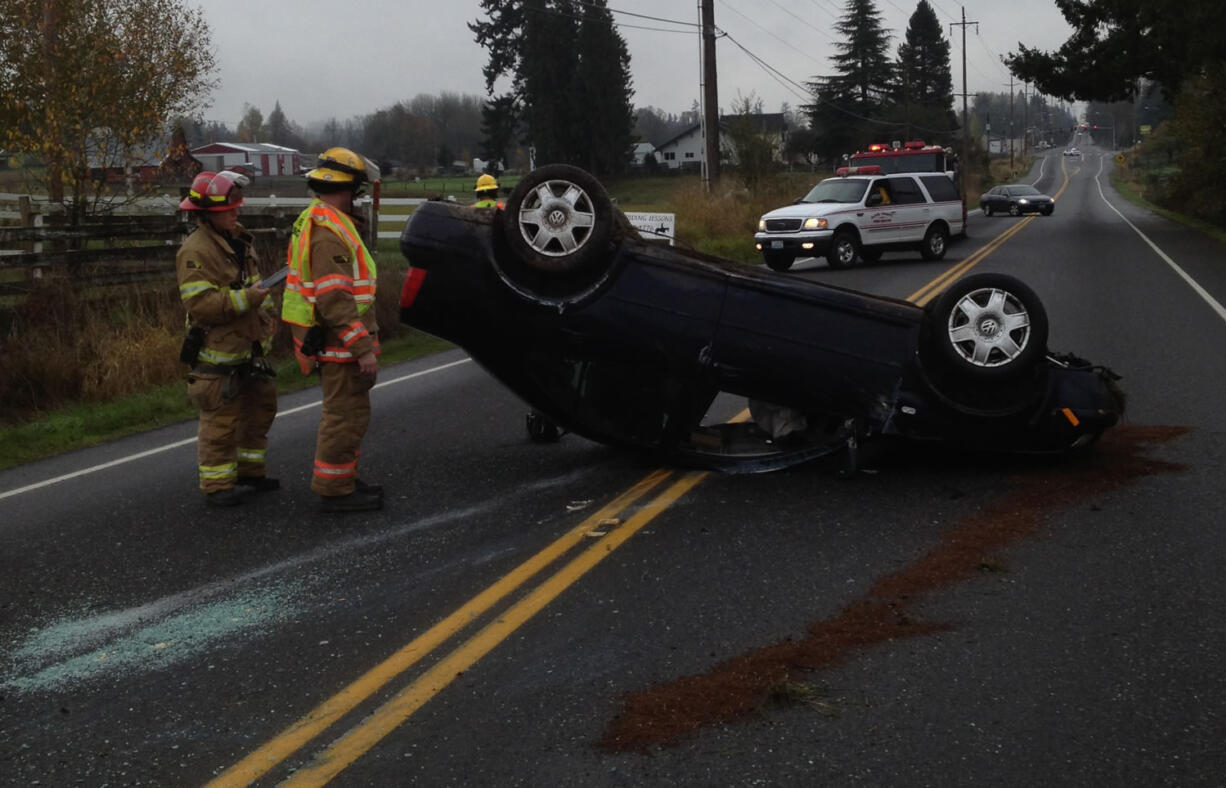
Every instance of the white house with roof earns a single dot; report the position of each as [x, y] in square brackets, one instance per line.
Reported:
[687, 149]
[263, 157]
[684, 151]
[640, 153]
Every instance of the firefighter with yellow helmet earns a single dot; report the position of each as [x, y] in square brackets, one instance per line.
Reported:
[230, 322]
[330, 305]
[487, 192]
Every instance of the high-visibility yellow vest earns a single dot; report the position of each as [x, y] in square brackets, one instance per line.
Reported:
[298, 303]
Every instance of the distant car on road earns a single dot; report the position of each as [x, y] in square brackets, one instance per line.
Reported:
[1072, 152]
[1016, 199]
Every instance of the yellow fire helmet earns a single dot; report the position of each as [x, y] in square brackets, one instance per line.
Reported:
[341, 167]
[485, 183]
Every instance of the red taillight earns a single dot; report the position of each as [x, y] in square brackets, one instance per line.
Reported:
[412, 284]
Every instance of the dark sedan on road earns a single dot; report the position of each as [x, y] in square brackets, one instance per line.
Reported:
[1015, 200]
[629, 341]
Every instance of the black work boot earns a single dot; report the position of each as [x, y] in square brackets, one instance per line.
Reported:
[362, 486]
[259, 483]
[230, 497]
[356, 501]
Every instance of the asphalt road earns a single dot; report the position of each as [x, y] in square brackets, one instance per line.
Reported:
[519, 613]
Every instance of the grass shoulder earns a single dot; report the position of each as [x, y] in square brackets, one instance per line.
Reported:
[1128, 188]
[83, 424]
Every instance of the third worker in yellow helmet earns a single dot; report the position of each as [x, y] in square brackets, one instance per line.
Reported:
[487, 192]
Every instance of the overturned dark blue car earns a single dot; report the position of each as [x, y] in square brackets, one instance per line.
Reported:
[629, 342]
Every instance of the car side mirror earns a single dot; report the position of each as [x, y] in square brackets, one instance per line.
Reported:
[873, 199]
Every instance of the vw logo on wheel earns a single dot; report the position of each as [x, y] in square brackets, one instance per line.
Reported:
[989, 327]
[556, 217]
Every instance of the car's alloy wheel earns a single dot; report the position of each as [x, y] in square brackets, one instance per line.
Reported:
[844, 250]
[936, 240]
[989, 326]
[558, 219]
[987, 210]
[1014, 210]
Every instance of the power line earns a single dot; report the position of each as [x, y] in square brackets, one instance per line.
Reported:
[769, 33]
[799, 18]
[817, 99]
[554, 12]
[641, 16]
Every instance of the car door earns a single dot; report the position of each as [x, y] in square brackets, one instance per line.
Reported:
[912, 210]
[992, 200]
[877, 223]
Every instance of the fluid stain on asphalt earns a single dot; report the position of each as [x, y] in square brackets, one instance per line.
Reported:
[738, 688]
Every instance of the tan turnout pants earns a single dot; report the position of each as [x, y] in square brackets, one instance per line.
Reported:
[346, 415]
[235, 416]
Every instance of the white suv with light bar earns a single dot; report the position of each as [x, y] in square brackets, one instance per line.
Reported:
[861, 213]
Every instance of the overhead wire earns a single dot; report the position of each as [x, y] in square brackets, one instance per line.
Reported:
[753, 22]
[554, 12]
[810, 94]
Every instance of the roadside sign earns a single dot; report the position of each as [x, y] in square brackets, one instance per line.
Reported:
[654, 226]
[1119, 158]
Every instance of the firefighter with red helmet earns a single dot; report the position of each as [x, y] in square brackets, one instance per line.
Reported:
[329, 303]
[230, 324]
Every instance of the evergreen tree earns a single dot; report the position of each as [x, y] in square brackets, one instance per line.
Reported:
[924, 91]
[498, 119]
[546, 81]
[570, 80]
[279, 131]
[850, 104]
[604, 61]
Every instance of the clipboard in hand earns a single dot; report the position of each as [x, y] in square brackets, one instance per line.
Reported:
[272, 280]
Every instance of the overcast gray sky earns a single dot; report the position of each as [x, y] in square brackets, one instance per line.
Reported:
[380, 52]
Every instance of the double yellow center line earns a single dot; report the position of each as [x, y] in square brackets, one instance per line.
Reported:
[612, 533]
[931, 290]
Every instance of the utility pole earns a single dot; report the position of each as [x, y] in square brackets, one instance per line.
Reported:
[1025, 118]
[1010, 125]
[710, 98]
[966, 117]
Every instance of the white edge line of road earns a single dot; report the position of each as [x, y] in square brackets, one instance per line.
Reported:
[1200, 291]
[189, 441]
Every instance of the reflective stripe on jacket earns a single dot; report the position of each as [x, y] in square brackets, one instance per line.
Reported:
[213, 291]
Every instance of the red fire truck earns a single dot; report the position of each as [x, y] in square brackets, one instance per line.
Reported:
[914, 156]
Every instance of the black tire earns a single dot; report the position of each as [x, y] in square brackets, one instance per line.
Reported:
[778, 261]
[987, 210]
[1048, 210]
[844, 250]
[935, 244]
[559, 219]
[1014, 209]
[988, 327]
